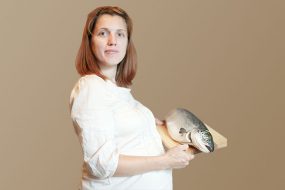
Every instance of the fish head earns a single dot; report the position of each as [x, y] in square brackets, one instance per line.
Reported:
[185, 127]
[202, 139]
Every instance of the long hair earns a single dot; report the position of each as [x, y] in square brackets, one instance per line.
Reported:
[86, 62]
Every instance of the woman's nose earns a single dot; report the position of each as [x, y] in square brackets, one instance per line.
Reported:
[112, 41]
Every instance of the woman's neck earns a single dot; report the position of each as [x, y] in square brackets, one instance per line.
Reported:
[109, 71]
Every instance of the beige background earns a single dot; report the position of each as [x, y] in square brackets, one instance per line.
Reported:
[223, 60]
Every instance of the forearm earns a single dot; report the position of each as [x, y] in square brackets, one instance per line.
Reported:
[132, 165]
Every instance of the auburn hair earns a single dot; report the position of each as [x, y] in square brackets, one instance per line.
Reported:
[86, 62]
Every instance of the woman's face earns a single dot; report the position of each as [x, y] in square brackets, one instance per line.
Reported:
[110, 40]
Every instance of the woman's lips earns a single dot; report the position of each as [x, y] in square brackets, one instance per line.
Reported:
[111, 51]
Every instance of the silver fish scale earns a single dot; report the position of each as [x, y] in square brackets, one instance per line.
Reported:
[191, 120]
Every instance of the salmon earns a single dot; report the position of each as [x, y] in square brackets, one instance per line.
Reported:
[186, 128]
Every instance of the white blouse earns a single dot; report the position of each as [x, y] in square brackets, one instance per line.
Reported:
[109, 121]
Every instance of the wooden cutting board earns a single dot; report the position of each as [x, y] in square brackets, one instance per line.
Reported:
[219, 140]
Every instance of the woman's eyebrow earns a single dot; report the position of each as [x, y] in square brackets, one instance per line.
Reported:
[122, 30]
[103, 28]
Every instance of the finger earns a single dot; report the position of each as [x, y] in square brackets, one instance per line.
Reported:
[183, 147]
[191, 156]
[158, 121]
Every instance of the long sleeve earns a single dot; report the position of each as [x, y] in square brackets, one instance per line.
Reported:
[92, 116]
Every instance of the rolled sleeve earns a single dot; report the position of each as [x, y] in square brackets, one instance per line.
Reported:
[92, 116]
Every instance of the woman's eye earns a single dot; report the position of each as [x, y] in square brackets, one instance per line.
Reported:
[121, 34]
[102, 33]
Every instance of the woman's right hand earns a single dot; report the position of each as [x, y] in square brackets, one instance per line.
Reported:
[178, 157]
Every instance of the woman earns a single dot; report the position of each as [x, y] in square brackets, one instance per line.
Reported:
[121, 146]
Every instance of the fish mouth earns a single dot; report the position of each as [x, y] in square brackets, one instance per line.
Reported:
[210, 148]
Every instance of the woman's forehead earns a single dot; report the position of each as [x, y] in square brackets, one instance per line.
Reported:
[111, 22]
